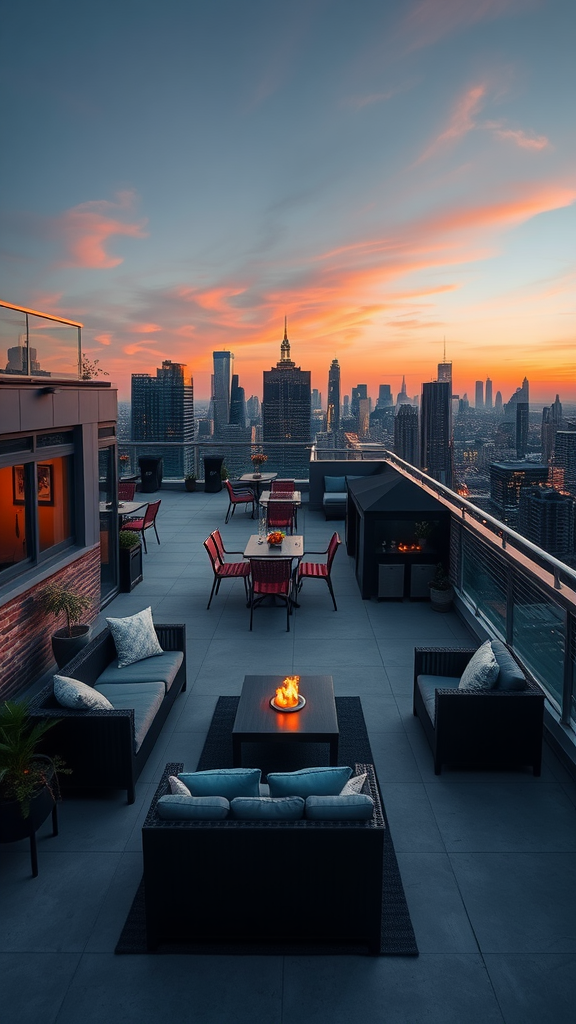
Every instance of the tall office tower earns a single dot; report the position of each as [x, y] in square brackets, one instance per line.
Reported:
[385, 400]
[163, 410]
[445, 371]
[316, 399]
[498, 403]
[286, 409]
[223, 363]
[565, 457]
[253, 408]
[402, 397]
[406, 434]
[479, 395]
[360, 391]
[237, 403]
[333, 407]
[436, 431]
[522, 422]
[507, 480]
[363, 416]
[546, 518]
[488, 394]
[551, 422]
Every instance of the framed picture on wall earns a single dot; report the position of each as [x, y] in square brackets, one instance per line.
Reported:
[18, 492]
[45, 485]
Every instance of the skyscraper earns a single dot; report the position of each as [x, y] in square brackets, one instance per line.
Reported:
[237, 403]
[488, 394]
[406, 434]
[360, 391]
[546, 518]
[223, 364]
[163, 410]
[565, 457]
[436, 431]
[479, 395]
[385, 400]
[445, 371]
[402, 398]
[286, 408]
[333, 408]
[498, 402]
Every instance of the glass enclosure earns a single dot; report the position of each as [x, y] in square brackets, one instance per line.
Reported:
[36, 344]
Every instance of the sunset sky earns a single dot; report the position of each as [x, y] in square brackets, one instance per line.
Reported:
[180, 175]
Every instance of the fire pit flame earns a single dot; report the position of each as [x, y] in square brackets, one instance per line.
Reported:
[287, 697]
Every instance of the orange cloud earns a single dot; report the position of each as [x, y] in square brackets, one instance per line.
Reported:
[431, 20]
[519, 137]
[145, 328]
[103, 339]
[461, 122]
[85, 230]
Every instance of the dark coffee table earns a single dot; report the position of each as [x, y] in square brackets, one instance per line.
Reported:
[256, 721]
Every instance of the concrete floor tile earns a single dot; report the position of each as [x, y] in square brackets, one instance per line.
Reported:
[534, 989]
[438, 913]
[34, 985]
[393, 758]
[412, 822]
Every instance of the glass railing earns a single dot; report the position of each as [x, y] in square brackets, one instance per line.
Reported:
[34, 344]
[179, 458]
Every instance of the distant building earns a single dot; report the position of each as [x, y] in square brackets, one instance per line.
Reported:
[406, 434]
[222, 386]
[333, 404]
[402, 397]
[498, 402]
[488, 394]
[253, 408]
[546, 518]
[286, 408]
[479, 395]
[551, 422]
[565, 457]
[363, 416]
[360, 391]
[385, 400]
[163, 410]
[522, 424]
[445, 371]
[507, 480]
[436, 431]
[237, 403]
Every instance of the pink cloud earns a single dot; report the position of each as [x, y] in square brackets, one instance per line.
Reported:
[145, 328]
[429, 21]
[461, 122]
[103, 339]
[85, 230]
[520, 138]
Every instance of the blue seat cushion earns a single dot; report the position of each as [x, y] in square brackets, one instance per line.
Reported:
[335, 483]
[335, 498]
[228, 782]
[353, 807]
[266, 808]
[428, 686]
[309, 782]
[144, 698]
[163, 666]
[511, 676]
[192, 808]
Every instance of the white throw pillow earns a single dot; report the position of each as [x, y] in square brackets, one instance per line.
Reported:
[135, 637]
[177, 788]
[354, 785]
[71, 693]
[482, 670]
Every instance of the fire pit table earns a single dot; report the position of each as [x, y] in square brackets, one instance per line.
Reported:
[315, 721]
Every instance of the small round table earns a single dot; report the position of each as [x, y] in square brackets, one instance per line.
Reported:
[258, 482]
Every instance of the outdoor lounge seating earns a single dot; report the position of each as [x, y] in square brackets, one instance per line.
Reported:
[478, 727]
[238, 494]
[109, 748]
[142, 523]
[320, 570]
[204, 879]
[224, 570]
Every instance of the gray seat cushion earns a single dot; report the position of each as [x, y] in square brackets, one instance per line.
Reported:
[145, 698]
[149, 670]
[511, 676]
[428, 686]
[335, 498]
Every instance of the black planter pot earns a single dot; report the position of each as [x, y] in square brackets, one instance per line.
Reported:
[66, 647]
[14, 826]
[130, 568]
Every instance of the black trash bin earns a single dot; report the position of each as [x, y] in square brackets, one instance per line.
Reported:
[212, 475]
[151, 473]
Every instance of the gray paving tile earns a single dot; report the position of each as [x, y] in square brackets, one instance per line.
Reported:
[393, 758]
[116, 903]
[438, 913]
[412, 822]
[354, 654]
[535, 989]
[519, 902]
[34, 985]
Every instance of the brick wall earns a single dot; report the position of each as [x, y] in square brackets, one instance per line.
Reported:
[26, 630]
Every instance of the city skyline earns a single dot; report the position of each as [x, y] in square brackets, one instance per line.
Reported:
[391, 183]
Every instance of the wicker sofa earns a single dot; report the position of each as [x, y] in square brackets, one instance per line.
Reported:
[495, 727]
[236, 881]
[109, 748]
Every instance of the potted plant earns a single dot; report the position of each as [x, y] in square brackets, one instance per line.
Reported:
[423, 532]
[28, 779]
[441, 590]
[223, 472]
[130, 560]
[190, 481]
[67, 641]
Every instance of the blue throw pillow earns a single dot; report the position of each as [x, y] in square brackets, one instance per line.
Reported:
[511, 676]
[309, 782]
[335, 483]
[355, 807]
[192, 808]
[482, 670]
[265, 808]
[227, 782]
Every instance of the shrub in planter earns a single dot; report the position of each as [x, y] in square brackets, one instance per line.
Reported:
[130, 560]
[66, 642]
[441, 590]
[190, 482]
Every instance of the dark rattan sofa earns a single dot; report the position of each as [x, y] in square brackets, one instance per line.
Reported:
[99, 746]
[263, 882]
[490, 728]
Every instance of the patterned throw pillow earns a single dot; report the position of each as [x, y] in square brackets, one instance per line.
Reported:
[71, 693]
[482, 670]
[354, 785]
[135, 637]
[177, 788]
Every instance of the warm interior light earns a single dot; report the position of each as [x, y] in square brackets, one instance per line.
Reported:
[287, 694]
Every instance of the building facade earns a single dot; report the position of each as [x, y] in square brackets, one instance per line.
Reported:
[333, 406]
[436, 431]
[286, 408]
[163, 411]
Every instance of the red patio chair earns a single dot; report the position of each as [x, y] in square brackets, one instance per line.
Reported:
[126, 490]
[142, 523]
[286, 486]
[280, 515]
[224, 570]
[238, 495]
[319, 570]
[271, 577]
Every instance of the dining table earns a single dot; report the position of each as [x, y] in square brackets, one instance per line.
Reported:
[125, 508]
[257, 480]
[292, 547]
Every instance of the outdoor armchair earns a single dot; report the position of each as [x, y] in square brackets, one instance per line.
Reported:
[320, 570]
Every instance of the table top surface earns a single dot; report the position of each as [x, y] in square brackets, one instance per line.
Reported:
[293, 496]
[291, 547]
[125, 508]
[256, 716]
[264, 478]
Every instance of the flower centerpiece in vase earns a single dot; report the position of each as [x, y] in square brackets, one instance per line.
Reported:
[275, 538]
[258, 460]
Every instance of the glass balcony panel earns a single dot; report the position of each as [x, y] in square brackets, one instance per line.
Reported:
[484, 582]
[52, 347]
[539, 635]
[13, 342]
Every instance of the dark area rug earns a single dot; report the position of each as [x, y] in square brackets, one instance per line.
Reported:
[354, 747]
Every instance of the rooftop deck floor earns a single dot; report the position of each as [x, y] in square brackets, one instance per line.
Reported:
[487, 858]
